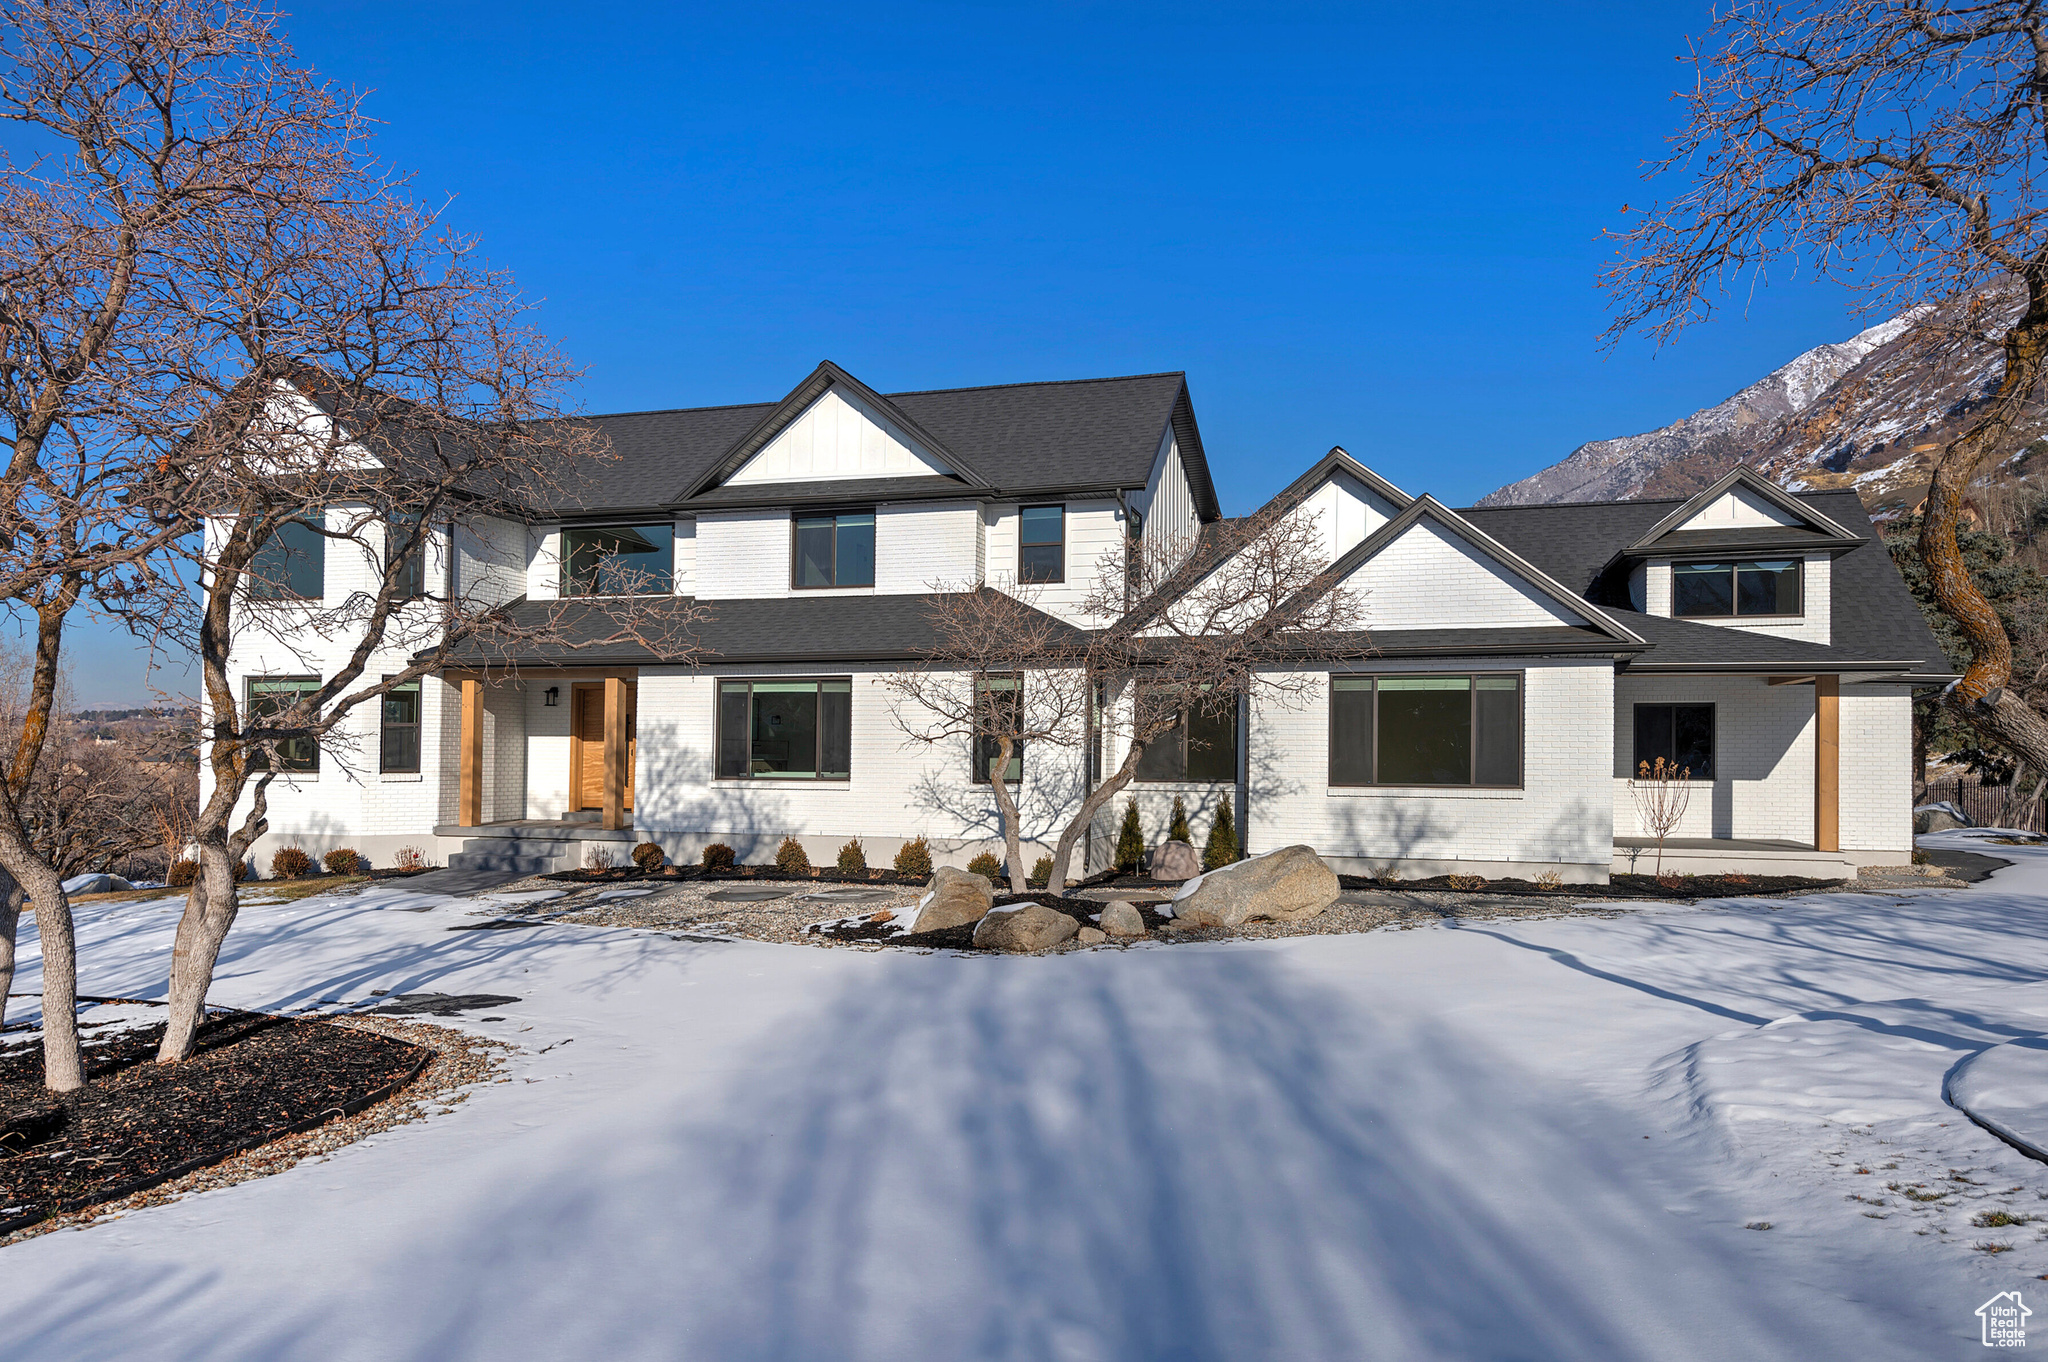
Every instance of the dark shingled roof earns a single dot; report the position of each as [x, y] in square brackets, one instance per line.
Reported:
[806, 628]
[1783, 538]
[1873, 616]
[1024, 437]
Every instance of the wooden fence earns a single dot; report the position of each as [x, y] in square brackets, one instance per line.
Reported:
[1985, 805]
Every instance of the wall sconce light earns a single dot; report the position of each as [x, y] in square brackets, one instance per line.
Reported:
[552, 696]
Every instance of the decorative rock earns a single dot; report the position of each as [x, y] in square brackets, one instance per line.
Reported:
[1175, 861]
[1091, 936]
[1033, 927]
[955, 898]
[1122, 919]
[1938, 817]
[96, 884]
[1286, 885]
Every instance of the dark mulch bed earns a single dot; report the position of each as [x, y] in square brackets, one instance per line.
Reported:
[137, 1123]
[1617, 887]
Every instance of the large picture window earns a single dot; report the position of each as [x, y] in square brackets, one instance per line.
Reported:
[398, 738]
[1426, 730]
[1042, 544]
[785, 730]
[834, 550]
[1202, 746]
[1682, 735]
[271, 695]
[619, 560]
[1728, 590]
[999, 696]
[291, 565]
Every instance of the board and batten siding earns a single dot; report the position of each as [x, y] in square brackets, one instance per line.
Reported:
[1168, 502]
[839, 436]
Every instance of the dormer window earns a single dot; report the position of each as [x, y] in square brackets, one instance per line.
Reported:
[834, 550]
[619, 560]
[1732, 590]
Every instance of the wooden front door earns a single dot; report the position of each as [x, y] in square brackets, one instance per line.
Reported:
[587, 741]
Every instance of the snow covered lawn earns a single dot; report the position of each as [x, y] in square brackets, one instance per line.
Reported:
[1527, 1140]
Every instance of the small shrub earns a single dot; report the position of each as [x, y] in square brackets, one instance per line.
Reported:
[1669, 880]
[1221, 848]
[1177, 829]
[408, 858]
[1739, 879]
[290, 863]
[597, 859]
[1130, 840]
[1922, 858]
[718, 856]
[1998, 1220]
[649, 856]
[791, 859]
[915, 858]
[853, 858]
[1041, 870]
[181, 874]
[987, 866]
[1465, 882]
[343, 861]
[1550, 879]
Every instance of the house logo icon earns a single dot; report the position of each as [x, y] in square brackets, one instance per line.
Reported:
[2005, 1320]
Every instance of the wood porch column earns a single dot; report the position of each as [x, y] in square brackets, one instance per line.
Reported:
[614, 752]
[1827, 763]
[471, 811]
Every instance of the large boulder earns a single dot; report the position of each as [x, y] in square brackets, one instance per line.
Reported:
[954, 899]
[1030, 927]
[1175, 861]
[97, 883]
[1285, 885]
[1938, 817]
[1121, 919]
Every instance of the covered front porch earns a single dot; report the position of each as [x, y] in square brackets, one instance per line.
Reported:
[541, 755]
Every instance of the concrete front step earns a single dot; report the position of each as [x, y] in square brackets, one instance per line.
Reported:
[487, 860]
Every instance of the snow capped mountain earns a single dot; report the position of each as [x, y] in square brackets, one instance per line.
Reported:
[1870, 412]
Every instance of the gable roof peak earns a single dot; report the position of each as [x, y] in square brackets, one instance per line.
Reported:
[1748, 479]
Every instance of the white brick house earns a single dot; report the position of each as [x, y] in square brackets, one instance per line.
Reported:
[1520, 661]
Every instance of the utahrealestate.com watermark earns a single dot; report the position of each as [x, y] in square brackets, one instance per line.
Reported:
[2005, 1320]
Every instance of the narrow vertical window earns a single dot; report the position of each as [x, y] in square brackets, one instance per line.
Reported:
[399, 739]
[1351, 730]
[1042, 544]
[1497, 730]
[996, 701]
[405, 540]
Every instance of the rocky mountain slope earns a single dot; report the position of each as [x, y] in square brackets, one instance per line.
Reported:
[1869, 412]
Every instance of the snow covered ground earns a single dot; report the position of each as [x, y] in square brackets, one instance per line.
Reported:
[1502, 1140]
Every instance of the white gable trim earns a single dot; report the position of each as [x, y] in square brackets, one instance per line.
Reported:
[840, 436]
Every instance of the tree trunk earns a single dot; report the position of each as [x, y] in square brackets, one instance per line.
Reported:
[1981, 697]
[210, 908]
[11, 899]
[1007, 805]
[1099, 796]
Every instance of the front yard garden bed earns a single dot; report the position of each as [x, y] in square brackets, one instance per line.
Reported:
[136, 1123]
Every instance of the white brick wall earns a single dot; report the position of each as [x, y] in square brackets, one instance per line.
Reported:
[921, 543]
[1094, 529]
[1877, 769]
[1563, 815]
[745, 555]
[492, 563]
[1428, 579]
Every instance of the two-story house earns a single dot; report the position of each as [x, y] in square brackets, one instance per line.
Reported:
[1519, 663]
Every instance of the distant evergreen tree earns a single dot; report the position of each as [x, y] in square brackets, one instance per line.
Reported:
[1221, 849]
[1178, 830]
[1130, 840]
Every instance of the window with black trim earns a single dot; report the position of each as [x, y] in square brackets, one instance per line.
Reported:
[1201, 746]
[398, 738]
[1427, 730]
[833, 550]
[1681, 735]
[291, 565]
[273, 695]
[1042, 544]
[619, 560]
[1729, 590]
[1001, 695]
[785, 729]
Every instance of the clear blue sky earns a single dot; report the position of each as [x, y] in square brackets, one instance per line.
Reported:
[1372, 226]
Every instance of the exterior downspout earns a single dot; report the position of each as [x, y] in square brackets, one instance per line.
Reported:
[1244, 775]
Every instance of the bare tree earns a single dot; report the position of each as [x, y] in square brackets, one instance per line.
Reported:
[1895, 147]
[1003, 677]
[225, 329]
[1247, 610]
[1662, 790]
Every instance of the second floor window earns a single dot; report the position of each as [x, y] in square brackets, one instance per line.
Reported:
[400, 530]
[619, 560]
[834, 550]
[291, 565]
[1042, 544]
[1725, 590]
